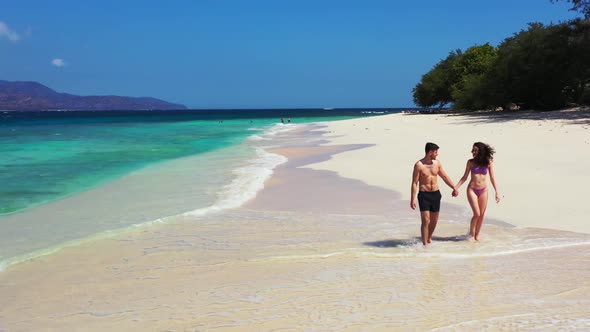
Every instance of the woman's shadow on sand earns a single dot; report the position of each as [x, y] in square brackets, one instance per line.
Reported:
[395, 243]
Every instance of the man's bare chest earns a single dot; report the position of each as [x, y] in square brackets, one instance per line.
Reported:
[429, 170]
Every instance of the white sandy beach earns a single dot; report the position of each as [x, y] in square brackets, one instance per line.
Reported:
[315, 251]
[541, 164]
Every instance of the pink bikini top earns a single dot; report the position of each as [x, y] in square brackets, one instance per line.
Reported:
[479, 169]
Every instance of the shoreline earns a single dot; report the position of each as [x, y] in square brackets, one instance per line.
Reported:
[153, 194]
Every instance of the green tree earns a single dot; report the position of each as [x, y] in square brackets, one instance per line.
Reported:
[470, 91]
[532, 67]
[577, 84]
[435, 86]
[542, 67]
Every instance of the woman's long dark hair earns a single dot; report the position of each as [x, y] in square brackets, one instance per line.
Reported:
[485, 154]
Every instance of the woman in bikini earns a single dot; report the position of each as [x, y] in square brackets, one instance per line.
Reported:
[477, 192]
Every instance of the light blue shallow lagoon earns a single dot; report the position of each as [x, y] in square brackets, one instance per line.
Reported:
[70, 176]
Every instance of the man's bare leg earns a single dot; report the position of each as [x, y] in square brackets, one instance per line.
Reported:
[424, 229]
[432, 226]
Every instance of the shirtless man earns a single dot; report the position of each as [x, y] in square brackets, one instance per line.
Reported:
[425, 175]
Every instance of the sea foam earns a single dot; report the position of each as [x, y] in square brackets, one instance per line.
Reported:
[248, 182]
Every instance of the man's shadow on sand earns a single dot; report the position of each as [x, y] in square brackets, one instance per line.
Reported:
[395, 243]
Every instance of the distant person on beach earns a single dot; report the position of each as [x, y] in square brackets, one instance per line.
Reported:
[282, 120]
[425, 184]
[289, 120]
[477, 191]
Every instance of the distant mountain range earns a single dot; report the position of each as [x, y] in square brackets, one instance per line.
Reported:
[25, 96]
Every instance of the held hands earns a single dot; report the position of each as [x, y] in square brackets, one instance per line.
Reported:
[455, 193]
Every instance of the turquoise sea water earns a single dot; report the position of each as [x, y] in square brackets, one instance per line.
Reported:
[49, 157]
[48, 161]
[72, 175]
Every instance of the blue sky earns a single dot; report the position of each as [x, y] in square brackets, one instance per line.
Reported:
[251, 54]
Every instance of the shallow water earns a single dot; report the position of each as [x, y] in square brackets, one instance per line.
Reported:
[265, 270]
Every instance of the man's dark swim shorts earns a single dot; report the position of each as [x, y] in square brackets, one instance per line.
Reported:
[429, 200]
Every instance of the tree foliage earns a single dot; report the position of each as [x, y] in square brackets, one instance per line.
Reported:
[542, 67]
[532, 65]
[436, 86]
[472, 69]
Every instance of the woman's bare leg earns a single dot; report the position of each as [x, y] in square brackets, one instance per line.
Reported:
[482, 202]
[473, 202]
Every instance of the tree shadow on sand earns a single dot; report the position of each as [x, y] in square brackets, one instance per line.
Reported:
[580, 116]
[396, 243]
